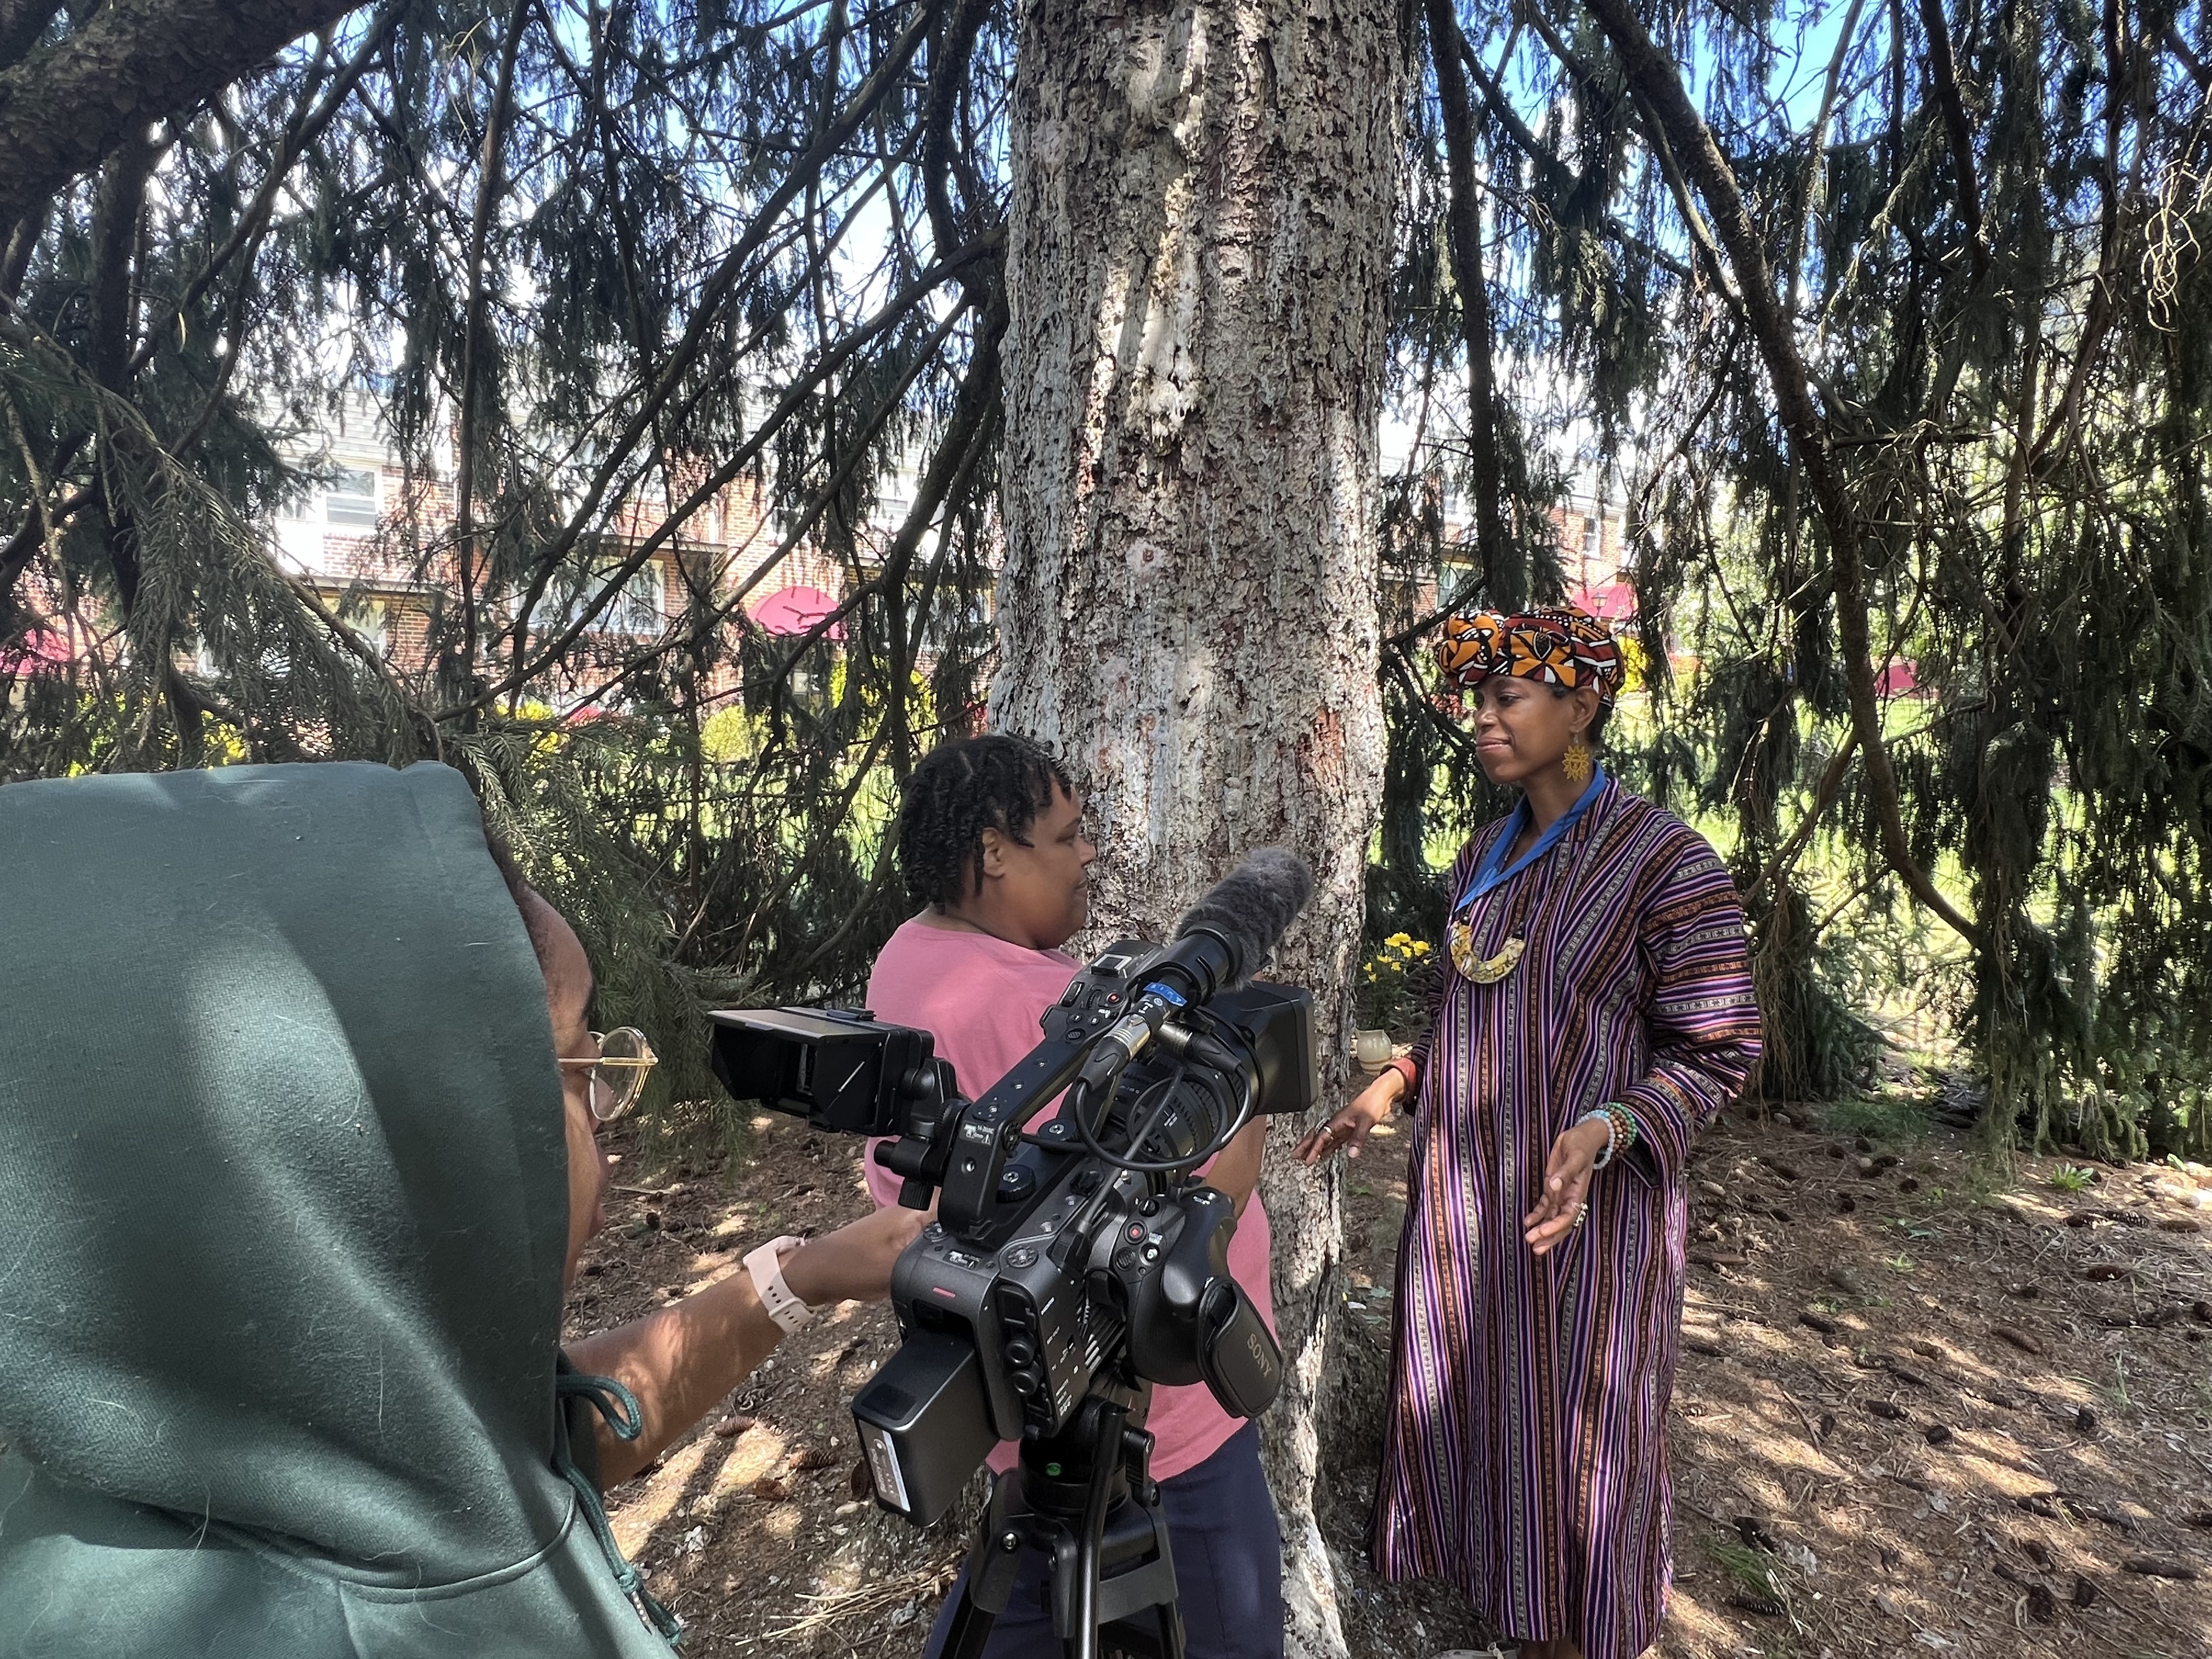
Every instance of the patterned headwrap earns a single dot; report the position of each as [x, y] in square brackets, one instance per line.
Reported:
[1559, 646]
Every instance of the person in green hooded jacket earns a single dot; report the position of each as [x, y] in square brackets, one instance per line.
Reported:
[296, 1163]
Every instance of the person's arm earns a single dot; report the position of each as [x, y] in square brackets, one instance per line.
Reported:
[680, 1360]
[1236, 1172]
[1702, 1017]
[1701, 1013]
[1399, 1086]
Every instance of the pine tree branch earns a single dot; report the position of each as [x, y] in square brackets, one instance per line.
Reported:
[16, 253]
[67, 105]
[1660, 84]
[474, 345]
[1494, 548]
[949, 54]
[1785, 858]
[707, 315]
[2059, 432]
[252, 224]
[847, 469]
[527, 669]
[1943, 70]
[1562, 181]
[1654, 137]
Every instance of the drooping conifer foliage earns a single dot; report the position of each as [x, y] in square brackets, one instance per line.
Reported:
[1890, 321]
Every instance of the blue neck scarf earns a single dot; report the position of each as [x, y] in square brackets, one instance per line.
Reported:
[1491, 873]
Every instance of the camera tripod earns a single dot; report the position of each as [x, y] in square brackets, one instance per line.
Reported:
[1085, 1499]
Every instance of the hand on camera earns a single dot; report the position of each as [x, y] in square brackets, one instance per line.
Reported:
[1348, 1130]
[854, 1263]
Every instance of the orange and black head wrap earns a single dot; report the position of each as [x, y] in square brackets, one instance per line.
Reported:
[1562, 648]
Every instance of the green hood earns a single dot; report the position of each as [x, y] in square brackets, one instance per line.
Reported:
[282, 1209]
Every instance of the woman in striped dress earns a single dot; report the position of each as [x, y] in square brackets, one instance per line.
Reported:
[1594, 1011]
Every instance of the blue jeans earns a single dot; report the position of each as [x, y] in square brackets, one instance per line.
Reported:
[1228, 1562]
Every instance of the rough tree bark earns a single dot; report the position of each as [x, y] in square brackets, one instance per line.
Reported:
[66, 105]
[1197, 265]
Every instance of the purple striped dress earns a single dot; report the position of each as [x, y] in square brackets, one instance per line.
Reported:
[1524, 1453]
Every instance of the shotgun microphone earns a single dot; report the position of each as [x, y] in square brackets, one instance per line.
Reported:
[1220, 942]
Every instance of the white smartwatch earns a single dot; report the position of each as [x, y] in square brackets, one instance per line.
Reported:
[766, 1266]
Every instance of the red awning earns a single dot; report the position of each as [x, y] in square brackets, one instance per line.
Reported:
[1609, 602]
[796, 610]
[42, 652]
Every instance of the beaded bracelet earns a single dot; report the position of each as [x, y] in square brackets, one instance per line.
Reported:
[1619, 1131]
[1612, 1135]
[1626, 1121]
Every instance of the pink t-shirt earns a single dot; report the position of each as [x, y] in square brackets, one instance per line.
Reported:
[981, 999]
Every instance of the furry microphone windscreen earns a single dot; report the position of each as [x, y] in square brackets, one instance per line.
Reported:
[1252, 907]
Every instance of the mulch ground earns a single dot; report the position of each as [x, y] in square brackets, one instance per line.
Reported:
[1919, 1410]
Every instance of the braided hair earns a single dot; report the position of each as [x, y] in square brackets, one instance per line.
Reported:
[959, 790]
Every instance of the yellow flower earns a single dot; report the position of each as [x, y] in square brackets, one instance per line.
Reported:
[1420, 947]
[1398, 939]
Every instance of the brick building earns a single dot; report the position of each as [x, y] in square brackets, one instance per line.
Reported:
[376, 542]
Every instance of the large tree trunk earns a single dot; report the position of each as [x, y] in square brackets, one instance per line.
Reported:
[1197, 265]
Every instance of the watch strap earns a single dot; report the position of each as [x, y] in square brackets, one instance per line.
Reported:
[766, 1266]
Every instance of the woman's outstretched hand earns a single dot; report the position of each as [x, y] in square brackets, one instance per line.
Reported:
[1567, 1186]
[1348, 1130]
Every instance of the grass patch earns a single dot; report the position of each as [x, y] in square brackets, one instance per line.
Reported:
[1751, 1572]
[2072, 1178]
[1878, 1117]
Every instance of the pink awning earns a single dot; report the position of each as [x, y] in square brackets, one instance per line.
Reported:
[1610, 603]
[40, 653]
[796, 610]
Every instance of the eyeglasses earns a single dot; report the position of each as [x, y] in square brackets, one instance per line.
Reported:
[618, 1074]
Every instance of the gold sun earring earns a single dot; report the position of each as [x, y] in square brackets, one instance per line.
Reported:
[1576, 762]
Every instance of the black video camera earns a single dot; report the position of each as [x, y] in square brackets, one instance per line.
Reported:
[1070, 1254]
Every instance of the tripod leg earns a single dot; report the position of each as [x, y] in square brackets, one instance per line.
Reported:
[992, 1565]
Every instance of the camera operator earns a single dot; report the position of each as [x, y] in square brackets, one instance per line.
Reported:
[991, 842]
[680, 1360]
[287, 1213]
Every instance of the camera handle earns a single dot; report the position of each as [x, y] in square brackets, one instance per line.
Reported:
[1085, 1498]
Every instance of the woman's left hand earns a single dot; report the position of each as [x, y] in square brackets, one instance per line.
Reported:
[1567, 1186]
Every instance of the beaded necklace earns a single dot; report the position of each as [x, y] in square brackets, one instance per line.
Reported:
[1492, 874]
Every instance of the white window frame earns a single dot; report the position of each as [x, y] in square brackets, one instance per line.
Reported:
[344, 507]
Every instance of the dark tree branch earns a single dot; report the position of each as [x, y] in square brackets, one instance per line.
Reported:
[66, 105]
[1943, 70]
[899, 306]
[116, 208]
[22, 242]
[1494, 551]
[949, 54]
[474, 346]
[1660, 84]
[707, 317]
[1562, 181]
[254, 221]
